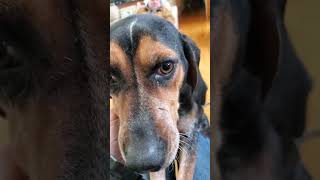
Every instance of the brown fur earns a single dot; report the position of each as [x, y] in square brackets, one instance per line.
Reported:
[119, 59]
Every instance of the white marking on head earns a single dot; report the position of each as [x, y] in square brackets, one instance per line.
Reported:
[131, 29]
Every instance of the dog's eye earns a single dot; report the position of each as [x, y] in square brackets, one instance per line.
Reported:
[166, 68]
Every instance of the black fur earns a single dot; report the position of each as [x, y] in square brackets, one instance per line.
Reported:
[263, 101]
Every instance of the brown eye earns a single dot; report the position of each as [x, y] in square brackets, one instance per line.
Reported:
[166, 68]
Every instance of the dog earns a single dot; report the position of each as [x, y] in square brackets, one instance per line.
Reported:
[158, 94]
[260, 93]
[54, 87]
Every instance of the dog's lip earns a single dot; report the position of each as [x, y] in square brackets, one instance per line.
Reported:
[115, 152]
[155, 169]
[148, 170]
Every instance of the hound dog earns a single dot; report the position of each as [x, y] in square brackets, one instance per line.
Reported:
[158, 93]
[260, 93]
[53, 89]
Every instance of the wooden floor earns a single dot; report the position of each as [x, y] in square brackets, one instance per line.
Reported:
[197, 27]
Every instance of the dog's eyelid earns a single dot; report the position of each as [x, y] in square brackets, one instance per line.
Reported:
[161, 61]
[167, 59]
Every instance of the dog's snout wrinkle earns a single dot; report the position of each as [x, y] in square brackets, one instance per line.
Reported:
[163, 109]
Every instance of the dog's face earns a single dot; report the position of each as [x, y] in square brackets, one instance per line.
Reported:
[53, 86]
[150, 61]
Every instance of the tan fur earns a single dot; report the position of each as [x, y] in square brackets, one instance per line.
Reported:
[188, 156]
[187, 165]
[160, 175]
[119, 59]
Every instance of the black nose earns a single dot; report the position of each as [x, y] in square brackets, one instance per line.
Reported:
[145, 154]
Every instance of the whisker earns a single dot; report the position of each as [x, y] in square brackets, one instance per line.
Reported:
[186, 146]
[184, 134]
[183, 150]
[188, 139]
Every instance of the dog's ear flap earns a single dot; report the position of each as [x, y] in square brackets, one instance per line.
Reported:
[192, 55]
[265, 43]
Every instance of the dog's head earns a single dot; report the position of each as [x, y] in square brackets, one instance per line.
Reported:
[153, 69]
[53, 86]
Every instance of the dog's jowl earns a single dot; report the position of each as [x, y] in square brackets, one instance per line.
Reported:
[53, 87]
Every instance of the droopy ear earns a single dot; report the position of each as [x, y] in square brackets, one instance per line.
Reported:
[192, 55]
[264, 41]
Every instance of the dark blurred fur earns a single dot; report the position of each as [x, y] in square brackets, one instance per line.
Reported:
[261, 92]
[54, 88]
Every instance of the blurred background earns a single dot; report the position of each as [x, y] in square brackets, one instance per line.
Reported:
[303, 23]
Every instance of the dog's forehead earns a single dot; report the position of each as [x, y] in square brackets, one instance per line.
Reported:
[128, 32]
